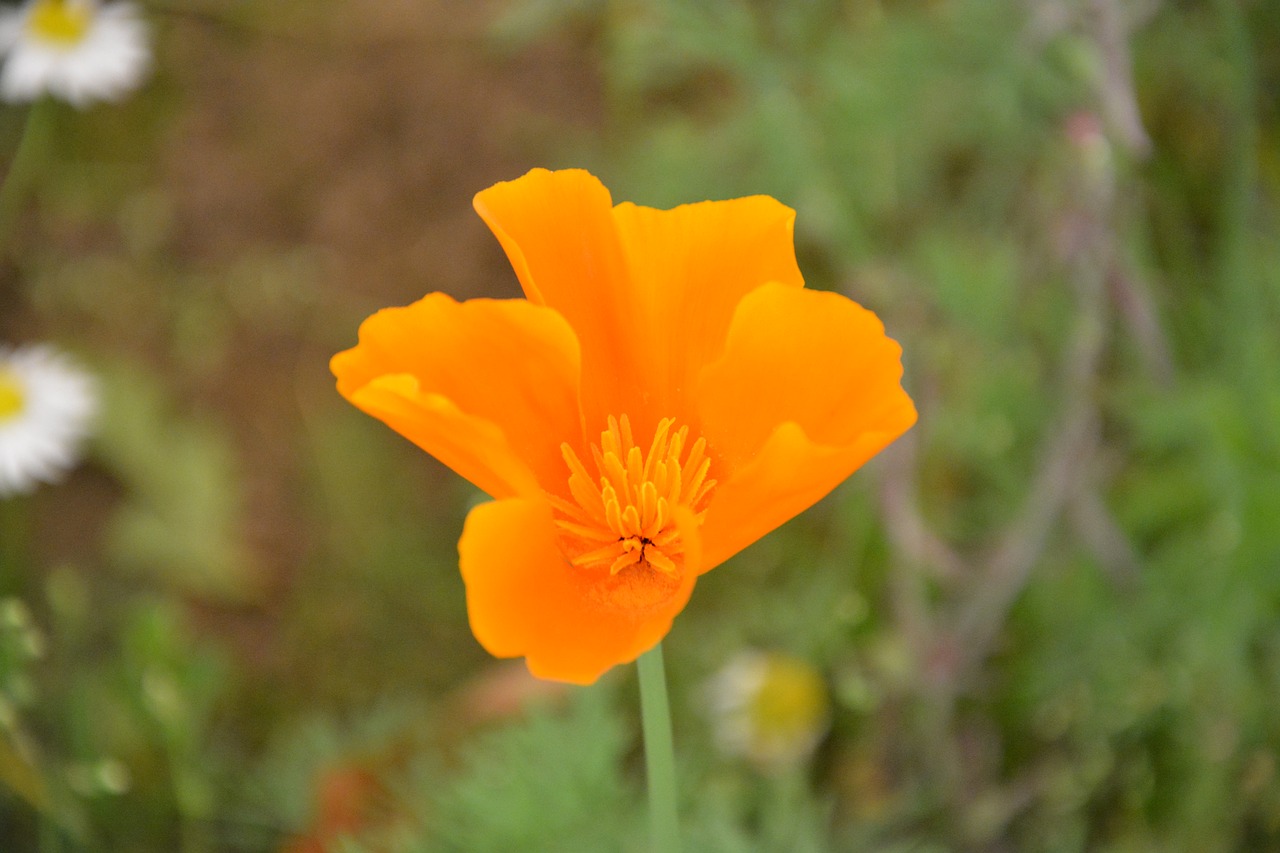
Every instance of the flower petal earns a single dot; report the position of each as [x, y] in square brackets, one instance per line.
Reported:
[650, 293]
[789, 474]
[488, 387]
[473, 447]
[558, 232]
[690, 267]
[829, 380]
[524, 599]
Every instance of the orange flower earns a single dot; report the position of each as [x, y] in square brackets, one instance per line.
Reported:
[667, 394]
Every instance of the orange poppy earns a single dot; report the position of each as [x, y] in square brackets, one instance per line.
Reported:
[667, 393]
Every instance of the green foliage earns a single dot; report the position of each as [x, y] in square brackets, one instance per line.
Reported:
[549, 784]
[21, 644]
[240, 626]
[179, 523]
[559, 780]
[118, 756]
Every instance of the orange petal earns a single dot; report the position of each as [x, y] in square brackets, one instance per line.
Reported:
[558, 232]
[789, 474]
[524, 599]
[690, 267]
[473, 447]
[807, 389]
[488, 387]
[808, 356]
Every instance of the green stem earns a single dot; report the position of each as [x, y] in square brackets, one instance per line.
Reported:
[14, 544]
[22, 168]
[1239, 267]
[659, 752]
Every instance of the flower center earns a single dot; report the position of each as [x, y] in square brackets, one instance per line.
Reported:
[12, 398]
[624, 517]
[60, 22]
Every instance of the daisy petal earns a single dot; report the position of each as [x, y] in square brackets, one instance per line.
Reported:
[80, 52]
[47, 406]
[489, 387]
[524, 599]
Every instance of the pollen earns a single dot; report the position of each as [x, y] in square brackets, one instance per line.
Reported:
[12, 398]
[60, 22]
[623, 519]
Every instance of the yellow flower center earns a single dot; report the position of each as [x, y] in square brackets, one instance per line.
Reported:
[12, 398]
[624, 518]
[791, 702]
[61, 22]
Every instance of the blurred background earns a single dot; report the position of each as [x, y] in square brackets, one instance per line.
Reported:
[1047, 620]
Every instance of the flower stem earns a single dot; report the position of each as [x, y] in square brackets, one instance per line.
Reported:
[14, 543]
[659, 752]
[22, 168]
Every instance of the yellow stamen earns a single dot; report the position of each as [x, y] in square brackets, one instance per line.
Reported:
[624, 519]
[12, 397]
[60, 22]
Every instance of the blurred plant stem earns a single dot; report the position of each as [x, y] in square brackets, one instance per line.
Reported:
[25, 163]
[1249, 359]
[194, 818]
[14, 544]
[659, 752]
[783, 817]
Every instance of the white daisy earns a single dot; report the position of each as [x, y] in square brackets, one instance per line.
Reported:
[46, 407]
[77, 50]
[769, 708]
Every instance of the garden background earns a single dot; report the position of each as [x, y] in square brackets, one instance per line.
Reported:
[1048, 618]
